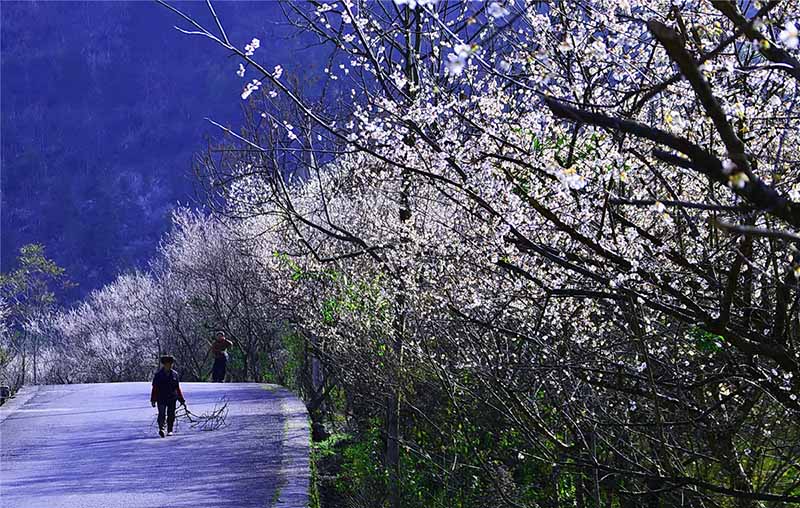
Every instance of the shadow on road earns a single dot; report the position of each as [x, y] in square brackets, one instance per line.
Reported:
[56, 412]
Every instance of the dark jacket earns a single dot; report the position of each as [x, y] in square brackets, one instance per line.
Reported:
[219, 346]
[166, 387]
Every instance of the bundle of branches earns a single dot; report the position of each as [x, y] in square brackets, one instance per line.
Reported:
[211, 420]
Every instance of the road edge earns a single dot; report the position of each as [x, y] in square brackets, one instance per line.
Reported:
[22, 396]
[295, 472]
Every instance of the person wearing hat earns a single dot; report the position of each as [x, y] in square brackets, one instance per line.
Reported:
[165, 393]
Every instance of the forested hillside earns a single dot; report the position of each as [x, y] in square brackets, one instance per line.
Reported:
[102, 113]
[538, 254]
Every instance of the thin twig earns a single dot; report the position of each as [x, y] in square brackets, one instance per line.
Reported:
[684, 204]
[219, 24]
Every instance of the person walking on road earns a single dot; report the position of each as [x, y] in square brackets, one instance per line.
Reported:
[218, 347]
[166, 393]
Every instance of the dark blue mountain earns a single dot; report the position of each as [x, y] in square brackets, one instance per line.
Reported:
[102, 110]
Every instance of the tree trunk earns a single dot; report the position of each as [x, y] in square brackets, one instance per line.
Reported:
[653, 498]
[393, 449]
[393, 417]
[726, 453]
[35, 355]
[24, 368]
[315, 386]
[393, 400]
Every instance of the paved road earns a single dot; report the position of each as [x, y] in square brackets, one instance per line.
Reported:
[96, 445]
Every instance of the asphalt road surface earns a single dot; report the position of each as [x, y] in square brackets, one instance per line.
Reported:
[97, 446]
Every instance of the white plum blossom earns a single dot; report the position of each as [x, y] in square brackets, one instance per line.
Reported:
[794, 192]
[728, 166]
[730, 66]
[661, 212]
[458, 59]
[290, 131]
[250, 88]
[598, 48]
[738, 180]
[455, 65]
[277, 72]
[251, 48]
[412, 4]
[790, 36]
[240, 72]
[463, 50]
[497, 10]
[570, 178]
